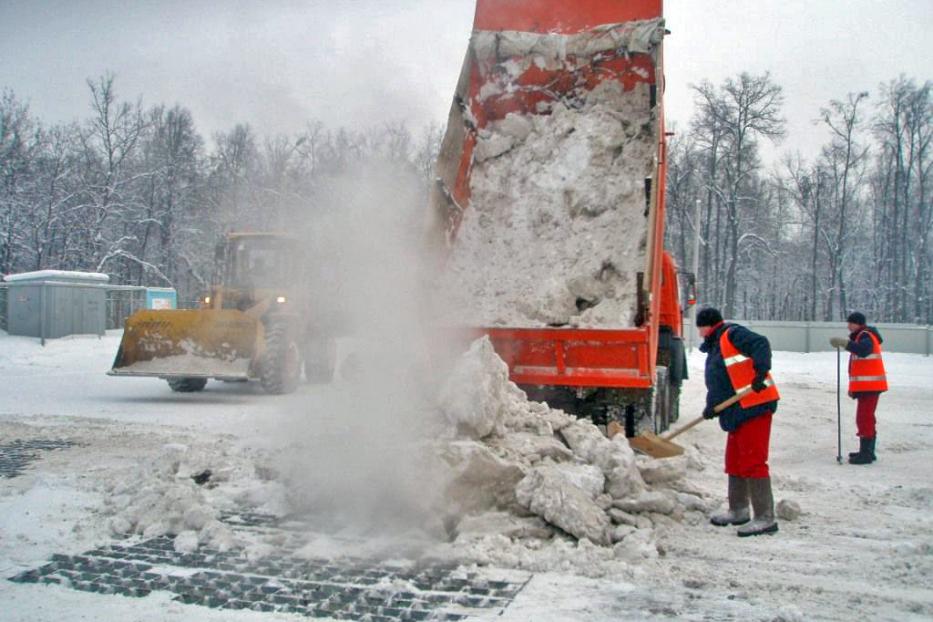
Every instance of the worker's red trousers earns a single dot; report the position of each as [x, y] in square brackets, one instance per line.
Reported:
[865, 414]
[747, 448]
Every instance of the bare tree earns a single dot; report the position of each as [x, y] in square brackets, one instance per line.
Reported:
[902, 210]
[110, 146]
[734, 116]
[844, 158]
[20, 140]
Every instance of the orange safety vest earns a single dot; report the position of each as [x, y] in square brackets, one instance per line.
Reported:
[866, 373]
[741, 370]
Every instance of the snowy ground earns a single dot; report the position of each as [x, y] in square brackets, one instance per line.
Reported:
[862, 548]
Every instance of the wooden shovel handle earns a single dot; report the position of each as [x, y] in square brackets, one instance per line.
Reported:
[718, 408]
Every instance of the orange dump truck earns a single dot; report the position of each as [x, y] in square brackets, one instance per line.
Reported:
[526, 58]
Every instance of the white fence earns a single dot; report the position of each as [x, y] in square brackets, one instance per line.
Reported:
[814, 336]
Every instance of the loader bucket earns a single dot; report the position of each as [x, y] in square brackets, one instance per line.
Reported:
[204, 343]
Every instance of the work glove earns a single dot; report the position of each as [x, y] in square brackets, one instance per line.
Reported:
[758, 384]
[838, 342]
[709, 413]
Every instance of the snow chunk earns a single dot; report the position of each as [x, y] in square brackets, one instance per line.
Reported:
[661, 502]
[186, 542]
[637, 546]
[586, 477]
[503, 523]
[480, 480]
[615, 457]
[533, 447]
[492, 145]
[546, 492]
[475, 396]
[197, 516]
[787, 509]
[655, 471]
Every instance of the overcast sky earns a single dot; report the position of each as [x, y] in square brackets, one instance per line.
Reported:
[276, 64]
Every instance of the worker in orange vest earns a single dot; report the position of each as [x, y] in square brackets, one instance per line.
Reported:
[867, 381]
[738, 361]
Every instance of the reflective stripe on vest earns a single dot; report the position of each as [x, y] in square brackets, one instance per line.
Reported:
[741, 370]
[866, 373]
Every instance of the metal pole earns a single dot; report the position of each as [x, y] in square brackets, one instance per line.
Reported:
[838, 407]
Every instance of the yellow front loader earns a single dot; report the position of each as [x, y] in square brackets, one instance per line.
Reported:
[256, 324]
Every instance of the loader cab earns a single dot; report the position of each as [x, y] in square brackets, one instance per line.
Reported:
[262, 262]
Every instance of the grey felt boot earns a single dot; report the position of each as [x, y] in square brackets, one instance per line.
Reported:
[737, 514]
[759, 489]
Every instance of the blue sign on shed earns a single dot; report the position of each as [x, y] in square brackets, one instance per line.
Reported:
[161, 298]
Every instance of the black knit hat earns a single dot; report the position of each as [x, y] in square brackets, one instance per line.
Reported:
[708, 317]
[856, 318]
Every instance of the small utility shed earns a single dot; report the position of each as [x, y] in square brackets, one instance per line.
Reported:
[55, 303]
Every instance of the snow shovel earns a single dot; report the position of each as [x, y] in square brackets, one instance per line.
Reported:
[662, 447]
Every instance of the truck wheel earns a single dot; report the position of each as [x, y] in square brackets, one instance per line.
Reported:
[320, 360]
[187, 385]
[281, 363]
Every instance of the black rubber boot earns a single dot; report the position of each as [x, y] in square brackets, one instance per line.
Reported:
[759, 489]
[866, 453]
[738, 513]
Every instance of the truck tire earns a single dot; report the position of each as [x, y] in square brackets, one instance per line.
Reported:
[281, 363]
[320, 360]
[187, 385]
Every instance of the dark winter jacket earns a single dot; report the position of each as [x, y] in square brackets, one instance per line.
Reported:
[719, 387]
[860, 345]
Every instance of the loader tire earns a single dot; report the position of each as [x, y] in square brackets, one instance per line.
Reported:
[320, 360]
[187, 385]
[281, 363]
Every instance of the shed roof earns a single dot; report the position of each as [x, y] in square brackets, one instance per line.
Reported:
[58, 275]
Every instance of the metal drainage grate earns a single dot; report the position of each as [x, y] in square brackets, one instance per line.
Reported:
[16, 456]
[348, 589]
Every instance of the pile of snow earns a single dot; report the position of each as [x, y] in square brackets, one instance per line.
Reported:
[556, 229]
[531, 485]
[525, 486]
[183, 490]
